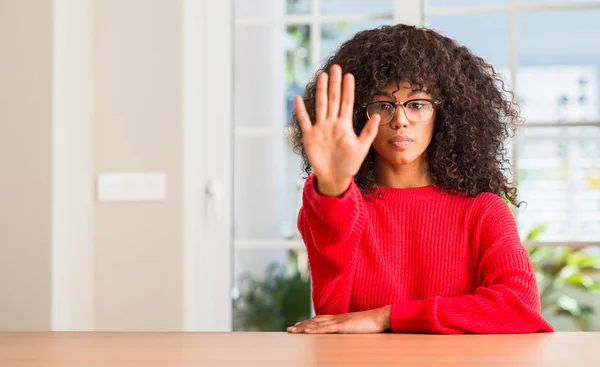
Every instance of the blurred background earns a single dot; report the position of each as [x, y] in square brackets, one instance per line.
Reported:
[148, 183]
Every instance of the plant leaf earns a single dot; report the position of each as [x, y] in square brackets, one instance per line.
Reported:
[535, 232]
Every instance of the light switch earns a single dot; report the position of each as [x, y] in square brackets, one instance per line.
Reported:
[146, 186]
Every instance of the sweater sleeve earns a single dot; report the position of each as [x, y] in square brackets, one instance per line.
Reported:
[331, 228]
[506, 300]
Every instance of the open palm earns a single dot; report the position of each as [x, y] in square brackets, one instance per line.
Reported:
[334, 150]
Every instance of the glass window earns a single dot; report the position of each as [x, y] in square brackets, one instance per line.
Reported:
[274, 68]
[273, 63]
[298, 64]
[259, 72]
[357, 6]
[485, 34]
[296, 7]
[264, 197]
[558, 81]
[554, 2]
[270, 8]
[258, 8]
[559, 179]
[559, 66]
[271, 290]
[466, 2]
[333, 35]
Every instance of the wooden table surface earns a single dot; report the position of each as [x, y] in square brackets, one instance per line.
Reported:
[281, 349]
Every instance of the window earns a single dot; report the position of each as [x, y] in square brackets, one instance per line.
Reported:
[544, 49]
[279, 45]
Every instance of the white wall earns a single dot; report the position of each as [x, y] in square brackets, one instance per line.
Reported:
[26, 161]
[138, 119]
[98, 86]
[72, 174]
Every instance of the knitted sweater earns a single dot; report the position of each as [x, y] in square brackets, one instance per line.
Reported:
[446, 263]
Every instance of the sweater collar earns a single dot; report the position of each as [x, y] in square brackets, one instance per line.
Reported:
[408, 194]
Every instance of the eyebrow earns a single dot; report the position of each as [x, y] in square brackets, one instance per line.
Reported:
[410, 94]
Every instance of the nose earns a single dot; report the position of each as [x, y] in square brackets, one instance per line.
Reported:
[399, 120]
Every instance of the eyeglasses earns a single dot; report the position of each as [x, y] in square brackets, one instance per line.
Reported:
[416, 110]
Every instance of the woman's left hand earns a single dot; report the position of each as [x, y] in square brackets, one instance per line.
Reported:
[364, 322]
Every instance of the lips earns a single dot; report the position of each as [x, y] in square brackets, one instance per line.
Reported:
[400, 141]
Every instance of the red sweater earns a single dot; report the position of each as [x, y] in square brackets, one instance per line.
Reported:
[445, 263]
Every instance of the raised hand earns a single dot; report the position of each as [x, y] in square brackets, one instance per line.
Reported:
[334, 150]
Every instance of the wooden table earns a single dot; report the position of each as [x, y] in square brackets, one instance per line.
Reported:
[280, 349]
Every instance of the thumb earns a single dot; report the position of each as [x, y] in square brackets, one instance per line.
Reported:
[369, 132]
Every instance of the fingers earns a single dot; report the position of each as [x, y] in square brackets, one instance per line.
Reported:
[335, 83]
[329, 92]
[321, 98]
[369, 132]
[300, 327]
[303, 118]
[333, 101]
[347, 97]
[314, 327]
[297, 329]
[330, 328]
[317, 324]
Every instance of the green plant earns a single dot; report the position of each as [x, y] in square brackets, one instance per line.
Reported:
[560, 269]
[278, 300]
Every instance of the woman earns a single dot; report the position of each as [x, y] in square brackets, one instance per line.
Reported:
[404, 215]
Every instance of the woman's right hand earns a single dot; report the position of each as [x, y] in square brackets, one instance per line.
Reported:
[334, 150]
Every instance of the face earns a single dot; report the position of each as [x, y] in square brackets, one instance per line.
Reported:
[405, 137]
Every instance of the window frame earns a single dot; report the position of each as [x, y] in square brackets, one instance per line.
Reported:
[408, 12]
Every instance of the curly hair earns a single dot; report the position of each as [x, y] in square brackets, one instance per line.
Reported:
[476, 115]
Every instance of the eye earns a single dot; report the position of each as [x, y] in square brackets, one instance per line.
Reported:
[416, 105]
[384, 106]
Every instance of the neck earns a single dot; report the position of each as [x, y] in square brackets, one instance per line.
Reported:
[415, 174]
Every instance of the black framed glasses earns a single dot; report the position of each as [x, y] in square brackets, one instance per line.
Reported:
[416, 110]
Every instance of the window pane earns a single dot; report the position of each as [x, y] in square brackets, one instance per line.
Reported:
[270, 8]
[298, 68]
[258, 8]
[544, 2]
[558, 77]
[559, 178]
[259, 75]
[485, 34]
[272, 65]
[271, 289]
[466, 2]
[296, 6]
[333, 35]
[357, 6]
[266, 188]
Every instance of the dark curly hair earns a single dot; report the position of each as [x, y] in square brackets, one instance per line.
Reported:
[475, 117]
